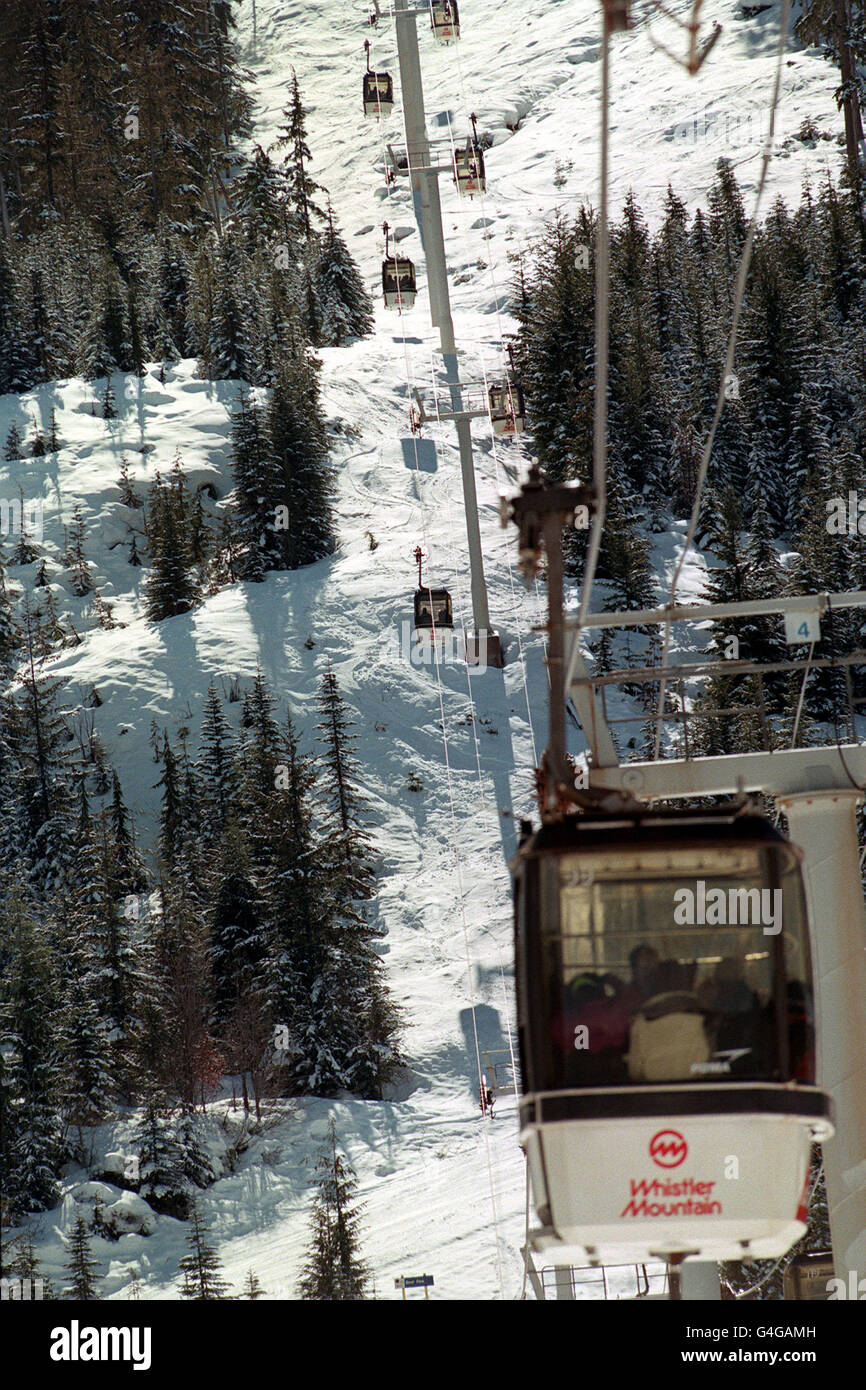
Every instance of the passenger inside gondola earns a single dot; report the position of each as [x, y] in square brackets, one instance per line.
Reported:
[597, 1011]
[668, 1038]
[733, 1010]
[592, 1029]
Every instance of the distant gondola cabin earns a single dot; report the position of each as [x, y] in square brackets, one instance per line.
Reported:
[469, 170]
[378, 94]
[398, 282]
[433, 608]
[507, 409]
[445, 20]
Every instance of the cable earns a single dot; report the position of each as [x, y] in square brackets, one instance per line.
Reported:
[739, 295]
[602, 335]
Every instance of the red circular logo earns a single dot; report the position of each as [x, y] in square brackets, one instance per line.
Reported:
[668, 1148]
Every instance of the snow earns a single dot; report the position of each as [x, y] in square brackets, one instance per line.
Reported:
[443, 1190]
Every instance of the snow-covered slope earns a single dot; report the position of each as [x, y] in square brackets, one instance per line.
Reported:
[444, 1189]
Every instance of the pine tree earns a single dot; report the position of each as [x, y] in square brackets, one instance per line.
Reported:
[83, 1284]
[173, 289]
[727, 220]
[239, 944]
[128, 494]
[10, 631]
[202, 1266]
[260, 492]
[88, 1090]
[109, 409]
[260, 201]
[171, 587]
[348, 835]
[31, 1076]
[298, 447]
[334, 1269]
[106, 346]
[40, 736]
[16, 372]
[301, 187]
[229, 352]
[171, 816]
[24, 1265]
[346, 307]
[13, 446]
[80, 580]
[196, 1164]
[162, 1182]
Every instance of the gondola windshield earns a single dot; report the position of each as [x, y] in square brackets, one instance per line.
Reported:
[657, 971]
[399, 274]
[378, 84]
[433, 608]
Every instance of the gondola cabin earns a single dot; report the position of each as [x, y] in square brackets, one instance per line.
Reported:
[469, 170]
[445, 20]
[398, 282]
[667, 1036]
[433, 609]
[507, 409]
[378, 94]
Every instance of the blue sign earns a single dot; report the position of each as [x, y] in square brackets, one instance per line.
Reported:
[415, 1281]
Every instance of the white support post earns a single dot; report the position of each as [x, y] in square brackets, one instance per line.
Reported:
[484, 646]
[823, 823]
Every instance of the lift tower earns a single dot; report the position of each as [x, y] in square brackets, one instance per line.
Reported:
[483, 647]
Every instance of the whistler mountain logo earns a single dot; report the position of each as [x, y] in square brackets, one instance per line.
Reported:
[77, 1343]
[717, 907]
[668, 1148]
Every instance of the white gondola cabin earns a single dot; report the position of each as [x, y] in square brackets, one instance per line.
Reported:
[378, 94]
[433, 609]
[666, 1024]
[398, 282]
[507, 409]
[445, 20]
[469, 170]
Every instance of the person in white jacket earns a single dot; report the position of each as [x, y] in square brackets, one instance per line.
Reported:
[668, 1035]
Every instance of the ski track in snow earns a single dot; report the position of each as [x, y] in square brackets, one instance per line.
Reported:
[422, 1161]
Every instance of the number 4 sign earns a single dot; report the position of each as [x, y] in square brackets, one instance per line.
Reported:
[802, 626]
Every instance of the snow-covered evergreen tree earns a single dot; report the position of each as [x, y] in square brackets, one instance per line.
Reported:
[202, 1267]
[302, 188]
[334, 1268]
[171, 587]
[345, 306]
[31, 1067]
[82, 1268]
